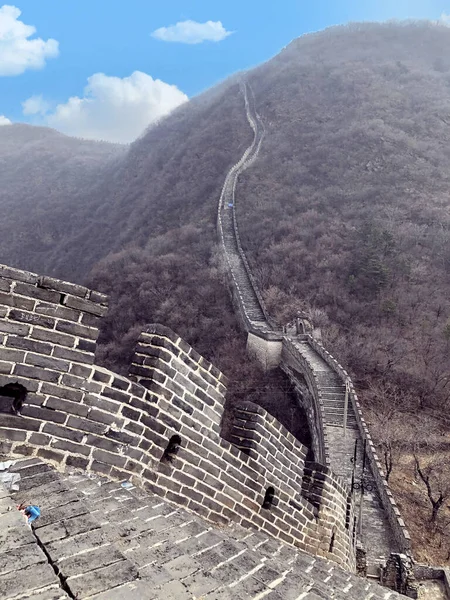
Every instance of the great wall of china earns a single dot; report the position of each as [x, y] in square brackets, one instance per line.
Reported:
[246, 518]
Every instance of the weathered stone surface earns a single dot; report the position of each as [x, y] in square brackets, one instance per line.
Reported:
[144, 547]
[99, 580]
[26, 580]
[88, 561]
[24, 556]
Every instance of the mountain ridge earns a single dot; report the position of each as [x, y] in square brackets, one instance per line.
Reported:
[345, 215]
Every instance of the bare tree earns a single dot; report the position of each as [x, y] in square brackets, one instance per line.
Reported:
[435, 474]
[386, 424]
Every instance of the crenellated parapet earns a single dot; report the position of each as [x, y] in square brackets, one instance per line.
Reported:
[159, 427]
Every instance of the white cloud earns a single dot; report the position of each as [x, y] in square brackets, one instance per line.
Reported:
[35, 105]
[4, 120]
[444, 19]
[192, 32]
[115, 109]
[17, 52]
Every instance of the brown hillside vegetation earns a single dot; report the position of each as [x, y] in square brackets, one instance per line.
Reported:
[44, 180]
[345, 214]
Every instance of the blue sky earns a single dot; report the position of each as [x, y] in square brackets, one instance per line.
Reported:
[115, 39]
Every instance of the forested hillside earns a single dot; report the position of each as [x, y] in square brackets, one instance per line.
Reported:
[45, 177]
[345, 214]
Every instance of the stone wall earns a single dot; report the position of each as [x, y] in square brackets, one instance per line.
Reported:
[398, 525]
[161, 426]
[265, 348]
[297, 369]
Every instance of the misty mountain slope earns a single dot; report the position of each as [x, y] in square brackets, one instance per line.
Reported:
[169, 177]
[347, 213]
[44, 177]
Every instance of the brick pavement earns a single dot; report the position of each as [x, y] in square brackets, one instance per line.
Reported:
[111, 543]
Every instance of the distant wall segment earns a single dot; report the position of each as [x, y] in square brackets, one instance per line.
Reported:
[161, 425]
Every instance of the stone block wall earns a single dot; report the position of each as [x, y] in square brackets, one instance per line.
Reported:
[296, 367]
[266, 349]
[160, 427]
[309, 488]
[398, 525]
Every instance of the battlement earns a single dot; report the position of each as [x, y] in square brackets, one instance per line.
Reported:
[161, 426]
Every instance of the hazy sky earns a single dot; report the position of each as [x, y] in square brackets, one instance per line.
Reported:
[105, 69]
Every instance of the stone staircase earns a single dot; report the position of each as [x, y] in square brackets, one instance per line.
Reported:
[109, 542]
[375, 531]
[331, 387]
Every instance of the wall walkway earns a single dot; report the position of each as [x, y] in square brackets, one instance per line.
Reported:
[380, 526]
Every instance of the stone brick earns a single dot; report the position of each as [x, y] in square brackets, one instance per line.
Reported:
[77, 329]
[106, 418]
[137, 390]
[152, 424]
[39, 439]
[36, 373]
[158, 353]
[16, 301]
[17, 274]
[75, 355]
[57, 311]
[32, 318]
[205, 398]
[86, 306]
[169, 421]
[86, 425]
[177, 498]
[33, 291]
[99, 375]
[102, 404]
[120, 384]
[98, 297]
[151, 437]
[182, 405]
[165, 343]
[27, 344]
[24, 450]
[103, 443]
[16, 356]
[61, 392]
[47, 335]
[44, 414]
[110, 459]
[120, 436]
[77, 462]
[50, 455]
[62, 286]
[116, 395]
[72, 381]
[63, 432]
[92, 387]
[12, 434]
[6, 367]
[99, 467]
[67, 407]
[80, 371]
[47, 362]
[86, 345]
[130, 413]
[90, 320]
[5, 285]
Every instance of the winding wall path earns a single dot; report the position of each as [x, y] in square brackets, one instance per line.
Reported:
[381, 529]
[249, 298]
